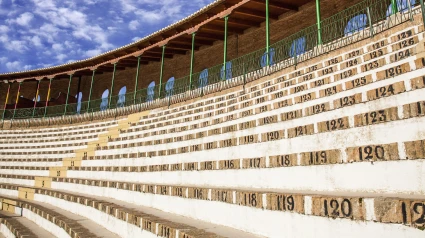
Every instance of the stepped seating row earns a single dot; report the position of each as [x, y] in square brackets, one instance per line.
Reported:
[312, 71]
[369, 118]
[67, 130]
[16, 228]
[32, 160]
[250, 112]
[366, 153]
[7, 142]
[44, 146]
[41, 152]
[50, 136]
[385, 210]
[386, 155]
[54, 135]
[285, 202]
[70, 227]
[54, 162]
[385, 152]
[418, 62]
[136, 222]
[411, 109]
[38, 147]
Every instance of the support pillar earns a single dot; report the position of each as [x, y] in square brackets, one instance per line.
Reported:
[17, 99]
[67, 95]
[422, 10]
[369, 18]
[226, 19]
[48, 96]
[137, 79]
[162, 70]
[78, 88]
[319, 26]
[7, 99]
[394, 6]
[36, 97]
[112, 85]
[91, 89]
[267, 34]
[192, 56]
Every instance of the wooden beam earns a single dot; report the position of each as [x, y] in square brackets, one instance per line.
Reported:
[279, 5]
[176, 51]
[208, 36]
[254, 13]
[235, 21]
[149, 58]
[220, 29]
[178, 46]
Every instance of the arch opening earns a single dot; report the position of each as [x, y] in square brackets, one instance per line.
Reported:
[121, 97]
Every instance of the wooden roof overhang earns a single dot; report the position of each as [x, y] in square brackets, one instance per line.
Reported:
[208, 23]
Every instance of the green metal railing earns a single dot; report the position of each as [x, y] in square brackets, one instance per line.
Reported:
[373, 16]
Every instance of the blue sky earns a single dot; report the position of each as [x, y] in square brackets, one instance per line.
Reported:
[42, 33]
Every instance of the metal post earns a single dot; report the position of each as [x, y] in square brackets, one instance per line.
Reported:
[226, 19]
[162, 71]
[319, 27]
[36, 97]
[191, 60]
[17, 99]
[78, 88]
[267, 33]
[244, 75]
[7, 99]
[295, 53]
[422, 10]
[112, 85]
[67, 95]
[48, 96]
[137, 79]
[91, 89]
[369, 17]
[394, 6]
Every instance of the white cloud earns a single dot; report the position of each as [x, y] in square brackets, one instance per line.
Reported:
[4, 39]
[47, 31]
[16, 66]
[24, 19]
[57, 47]
[136, 39]
[133, 25]
[4, 29]
[92, 53]
[36, 41]
[16, 45]
[127, 6]
[61, 57]
[151, 17]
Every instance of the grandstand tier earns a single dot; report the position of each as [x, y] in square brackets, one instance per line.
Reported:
[327, 141]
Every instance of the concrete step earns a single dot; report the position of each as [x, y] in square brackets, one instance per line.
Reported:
[163, 219]
[85, 227]
[34, 228]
